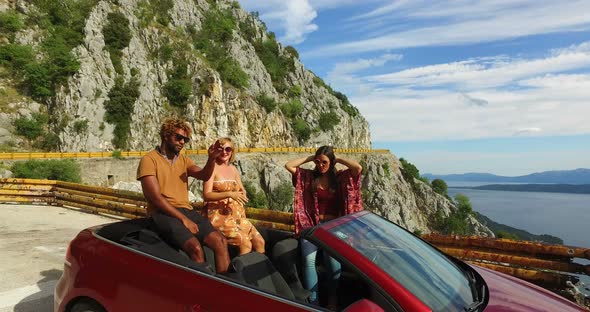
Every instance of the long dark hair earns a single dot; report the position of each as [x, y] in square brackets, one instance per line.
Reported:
[328, 151]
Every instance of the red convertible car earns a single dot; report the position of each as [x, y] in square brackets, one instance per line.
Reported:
[124, 266]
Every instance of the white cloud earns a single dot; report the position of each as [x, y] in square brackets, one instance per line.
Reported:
[489, 72]
[479, 98]
[345, 74]
[528, 130]
[461, 23]
[294, 17]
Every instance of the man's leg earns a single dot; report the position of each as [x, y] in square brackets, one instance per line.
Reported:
[216, 241]
[193, 249]
[212, 239]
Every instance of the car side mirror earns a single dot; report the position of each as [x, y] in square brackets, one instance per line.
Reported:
[363, 305]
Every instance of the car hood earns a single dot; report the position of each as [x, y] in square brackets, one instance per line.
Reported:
[510, 294]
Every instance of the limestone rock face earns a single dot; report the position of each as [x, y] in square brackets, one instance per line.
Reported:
[223, 110]
[215, 108]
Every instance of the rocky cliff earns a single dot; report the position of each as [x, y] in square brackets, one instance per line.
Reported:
[92, 75]
[137, 62]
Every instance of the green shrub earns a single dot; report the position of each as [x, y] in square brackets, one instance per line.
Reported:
[295, 91]
[31, 128]
[345, 103]
[292, 108]
[255, 199]
[38, 81]
[409, 171]
[165, 53]
[291, 50]
[267, 102]
[328, 121]
[302, 130]
[385, 167]
[230, 71]
[457, 222]
[277, 66]
[16, 56]
[117, 154]
[281, 197]
[64, 21]
[439, 186]
[218, 25]
[119, 108]
[506, 235]
[117, 36]
[59, 63]
[81, 126]
[318, 81]
[178, 91]
[28, 128]
[213, 41]
[147, 10]
[10, 22]
[49, 142]
[63, 170]
[248, 29]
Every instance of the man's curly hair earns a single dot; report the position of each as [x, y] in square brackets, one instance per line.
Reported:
[170, 125]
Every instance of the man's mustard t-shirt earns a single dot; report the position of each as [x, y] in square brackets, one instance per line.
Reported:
[172, 178]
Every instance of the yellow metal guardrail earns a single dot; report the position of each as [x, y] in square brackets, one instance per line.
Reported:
[51, 155]
[541, 263]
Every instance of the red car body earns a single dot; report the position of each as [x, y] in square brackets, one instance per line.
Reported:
[105, 275]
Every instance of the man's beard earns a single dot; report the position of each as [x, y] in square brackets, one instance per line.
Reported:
[172, 148]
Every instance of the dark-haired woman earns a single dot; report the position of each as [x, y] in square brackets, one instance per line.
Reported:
[322, 194]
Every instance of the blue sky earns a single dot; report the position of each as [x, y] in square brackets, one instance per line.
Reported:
[454, 86]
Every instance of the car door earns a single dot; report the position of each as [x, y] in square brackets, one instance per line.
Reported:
[146, 283]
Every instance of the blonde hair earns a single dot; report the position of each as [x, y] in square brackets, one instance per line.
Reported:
[222, 141]
[171, 124]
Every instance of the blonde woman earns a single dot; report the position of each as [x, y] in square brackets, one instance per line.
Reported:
[225, 197]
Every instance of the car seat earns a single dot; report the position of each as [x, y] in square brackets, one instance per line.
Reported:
[285, 256]
[257, 270]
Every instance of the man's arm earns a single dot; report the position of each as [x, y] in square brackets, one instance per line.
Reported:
[151, 192]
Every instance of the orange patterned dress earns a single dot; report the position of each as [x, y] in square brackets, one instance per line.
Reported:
[229, 216]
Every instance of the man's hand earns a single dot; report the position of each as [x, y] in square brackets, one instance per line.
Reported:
[215, 150]
[190, 225]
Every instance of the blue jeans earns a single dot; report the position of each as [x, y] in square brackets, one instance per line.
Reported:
[309, 252]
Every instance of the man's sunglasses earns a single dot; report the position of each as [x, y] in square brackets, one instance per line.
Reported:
[182, 137]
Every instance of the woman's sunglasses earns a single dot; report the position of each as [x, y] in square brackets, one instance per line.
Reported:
[182, 137]
[321, 162]
[228, 149]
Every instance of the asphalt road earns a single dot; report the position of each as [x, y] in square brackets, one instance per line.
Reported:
[33, 243]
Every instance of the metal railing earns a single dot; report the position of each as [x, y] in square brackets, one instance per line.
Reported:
[50, 155]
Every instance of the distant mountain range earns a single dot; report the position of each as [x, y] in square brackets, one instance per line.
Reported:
[551, 188]
[498, 228]
[576, 176]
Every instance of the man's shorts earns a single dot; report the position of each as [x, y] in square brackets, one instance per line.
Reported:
[175, 233]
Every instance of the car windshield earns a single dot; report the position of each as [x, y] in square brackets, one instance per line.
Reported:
[421, 269]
